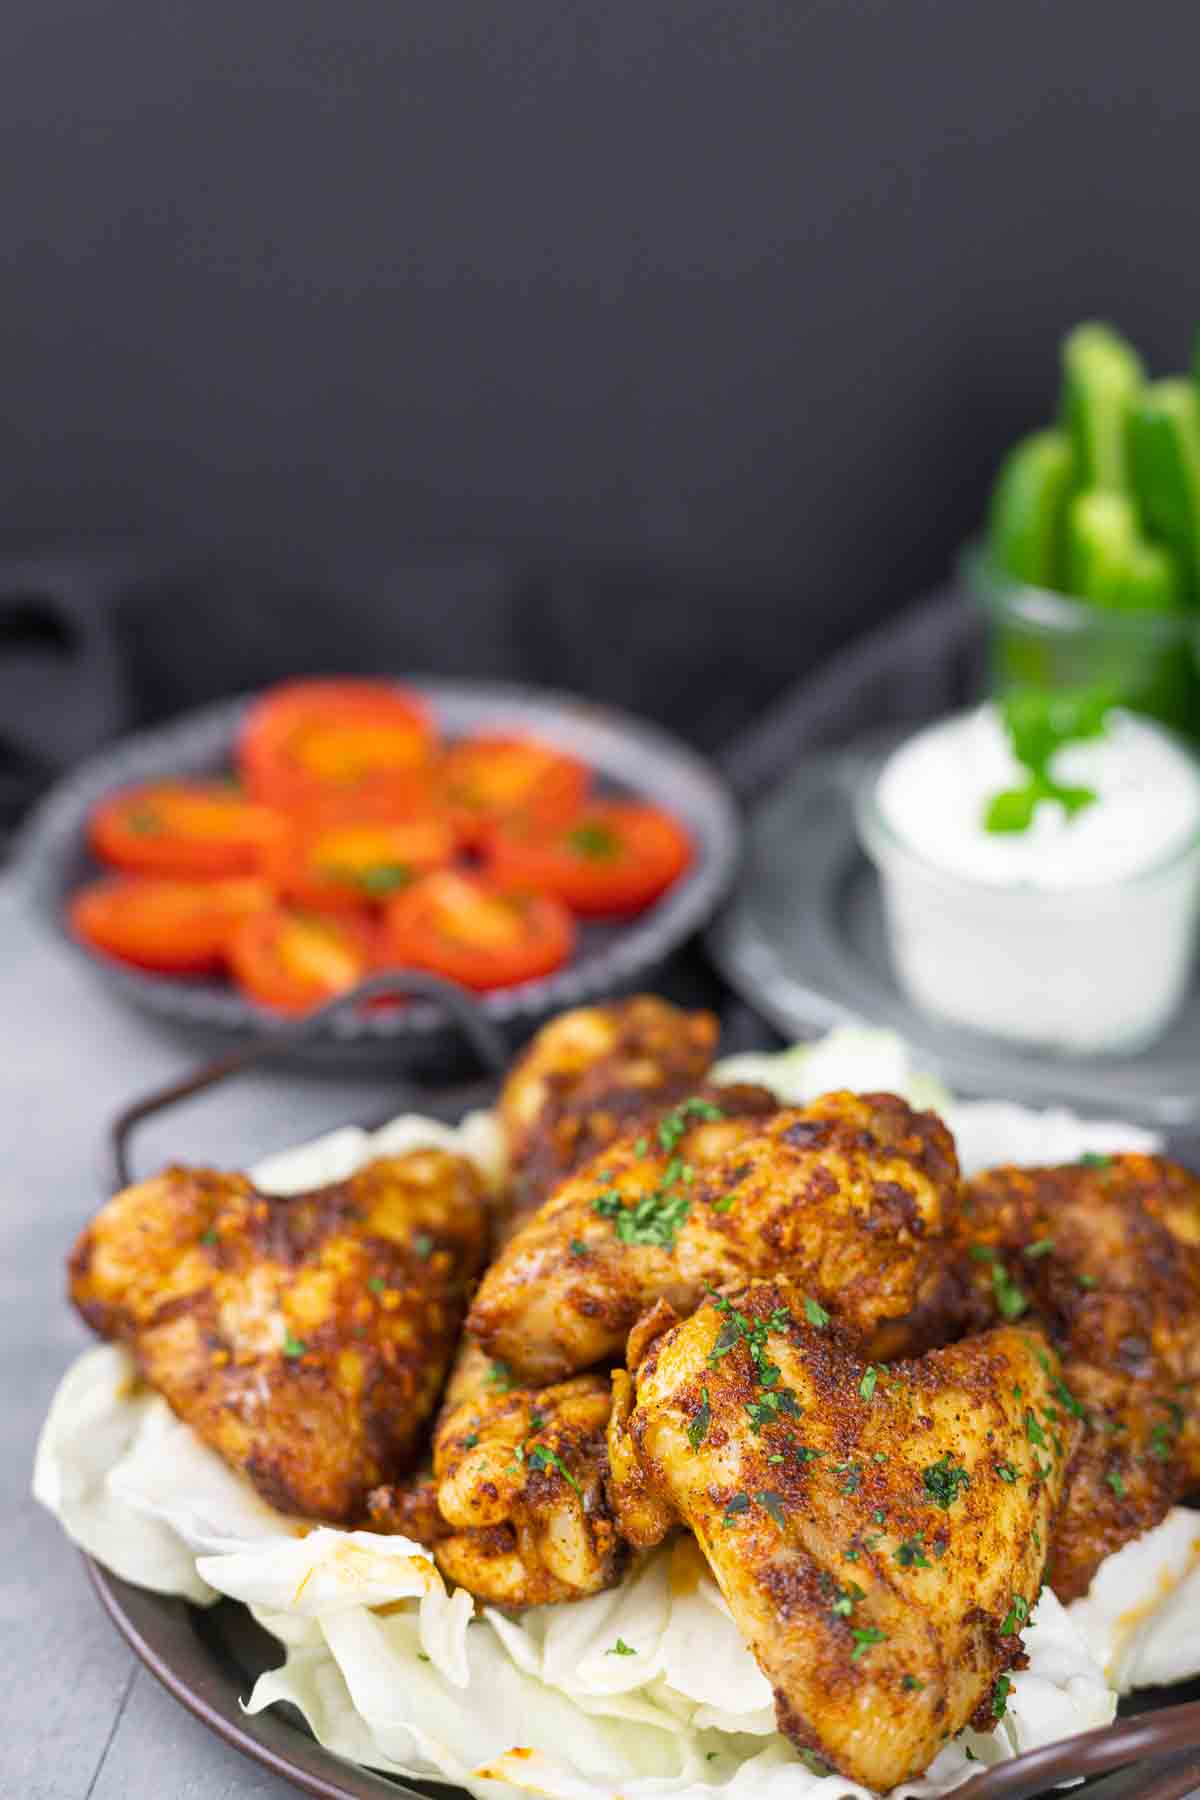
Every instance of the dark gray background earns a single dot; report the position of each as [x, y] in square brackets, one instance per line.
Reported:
[703, 323]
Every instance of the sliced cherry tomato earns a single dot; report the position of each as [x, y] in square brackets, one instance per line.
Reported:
[614, 858]
[294, 960]
[486, 780]
[350, 862]
[311, 743]
[184, 828]
[476, 932]
[166, 925]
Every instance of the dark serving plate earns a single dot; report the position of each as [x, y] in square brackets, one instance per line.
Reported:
[630, 757]
[209, 1658]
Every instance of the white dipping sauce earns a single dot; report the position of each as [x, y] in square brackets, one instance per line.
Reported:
[1076, 933]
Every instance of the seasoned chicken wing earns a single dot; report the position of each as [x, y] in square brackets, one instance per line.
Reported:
[520, 1487]
[851, 1198]
[590, 1075]
[878, 1532]
[305, 1339]
[1106, 1254]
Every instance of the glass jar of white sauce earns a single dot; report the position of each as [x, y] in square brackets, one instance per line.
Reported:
[1076, 934]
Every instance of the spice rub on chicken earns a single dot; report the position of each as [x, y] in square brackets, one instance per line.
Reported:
[879, 1532]
[591, 1075]
[1105, 1253]
[520, 1514]
[851, 1197]
[306, 1339]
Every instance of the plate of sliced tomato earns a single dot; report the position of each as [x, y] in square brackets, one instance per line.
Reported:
[249, 861]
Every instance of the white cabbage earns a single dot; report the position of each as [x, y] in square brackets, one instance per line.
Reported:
[392, 1671]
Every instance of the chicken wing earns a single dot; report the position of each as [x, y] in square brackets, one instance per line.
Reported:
[877, 1532]
[1106, 1254]
[305, 1339]
[591, 1074]
[520, 1490]
[851, 1198]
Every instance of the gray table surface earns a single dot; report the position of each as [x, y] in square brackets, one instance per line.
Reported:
[79, 1718]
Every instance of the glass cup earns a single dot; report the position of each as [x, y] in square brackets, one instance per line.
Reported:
[1081, 970]
[1147, 661]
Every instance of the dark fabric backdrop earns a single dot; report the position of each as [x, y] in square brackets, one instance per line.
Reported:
[692, 327]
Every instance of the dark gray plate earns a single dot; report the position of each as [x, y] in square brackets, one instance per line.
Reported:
[629, 756]
[209, 1660]
[803, 941]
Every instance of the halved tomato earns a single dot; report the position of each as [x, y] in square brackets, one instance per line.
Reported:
[476, 931]
[321, 742]
[614, 858]
[340, 863]
[184, 828]
[293, 960]
[166, 925]
[488, 779]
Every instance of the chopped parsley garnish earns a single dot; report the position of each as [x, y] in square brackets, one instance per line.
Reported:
[654, 1218]
[1015, 1617]
[1033, 1430]
[846, 1599]
[739, 1503]
[805, 1454]
[621, 1648]
[816, 1314]
[1043, 1247]
[1063, 1393]
[594, 840]
[423, 1245]
[293, 1346]
[471, 1441]
[1086, 1281]
[911, 1553]
[377, 1284]
[723, 1206]
[864, 1637]
[853, 1476]
[943, 1482]
[866, 1386]
[772, 1503]
[773, 1404]
[210, 1236]
[911, 1685]
[500, 1376]
[1094, 1159]
[1038, 724]
[578, 1247]
[1116, 1482]
[384, 878]
[1006, 1472]
[700, 1421]
[1000, 1693]
[675, 1124]
[1011, 1301]
[540, 1456]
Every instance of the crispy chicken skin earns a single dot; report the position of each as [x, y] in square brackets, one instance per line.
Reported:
[590, 1075]
[851, 1198]
[878, 1532]
[519, 1477]
[1106, 1254]
[305, 1339]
